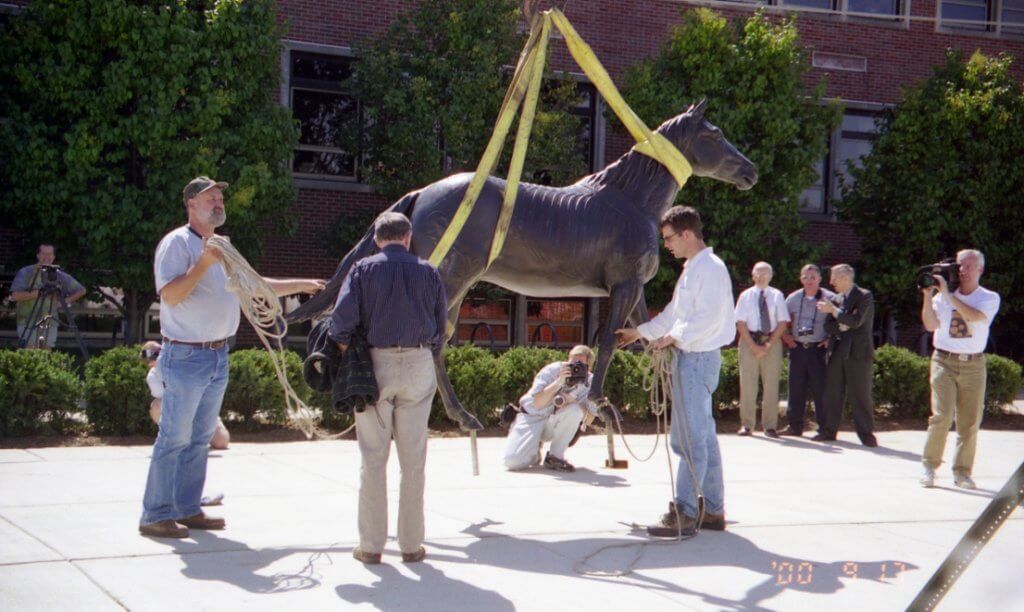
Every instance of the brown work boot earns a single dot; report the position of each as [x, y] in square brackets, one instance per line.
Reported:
[414, 557]
[164, 529]
[201, 521]
[672, 524]
[714, 522]
[368, 558]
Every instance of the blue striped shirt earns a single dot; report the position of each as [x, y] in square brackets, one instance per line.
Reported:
[398, 299]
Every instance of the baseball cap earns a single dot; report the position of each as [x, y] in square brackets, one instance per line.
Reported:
[200, 184]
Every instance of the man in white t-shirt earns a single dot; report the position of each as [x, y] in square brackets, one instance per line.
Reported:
[960, 324]
[198, 314]
[761, 318]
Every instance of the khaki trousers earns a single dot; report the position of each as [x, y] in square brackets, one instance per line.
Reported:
[764, 372]
[958, 391]
[407, 383]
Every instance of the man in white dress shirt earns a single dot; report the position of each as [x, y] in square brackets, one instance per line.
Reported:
[761, 318]
[697, 323]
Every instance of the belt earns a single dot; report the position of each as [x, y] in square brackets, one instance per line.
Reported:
[212, 345]
[959, 356]
[809, 345]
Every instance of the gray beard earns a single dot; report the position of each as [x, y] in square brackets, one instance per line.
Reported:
[217, 219]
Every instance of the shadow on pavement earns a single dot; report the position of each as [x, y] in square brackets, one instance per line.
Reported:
[433, 591]
[638, 555]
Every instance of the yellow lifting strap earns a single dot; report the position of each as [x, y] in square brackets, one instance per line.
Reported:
[526, 83]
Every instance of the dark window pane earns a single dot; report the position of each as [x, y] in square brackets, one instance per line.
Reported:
[319, 162]
[966, 10]
[818, 4]
[322, 116]
[1012, 16]
[330, 68]
[875, 7]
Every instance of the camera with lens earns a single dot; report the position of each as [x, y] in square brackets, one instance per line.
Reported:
[559, 400]
[48, 273]
[805, 330]
[947, 269]
[577, 374]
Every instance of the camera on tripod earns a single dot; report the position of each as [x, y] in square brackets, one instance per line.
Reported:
[49, 276]
[948, 269]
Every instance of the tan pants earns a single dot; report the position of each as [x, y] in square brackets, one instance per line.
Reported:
[765, 372]
[407, 384]
[958, 389]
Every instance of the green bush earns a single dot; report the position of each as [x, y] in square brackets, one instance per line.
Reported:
[624, 384]
[254, 395]
[1004, 382]
[117, 397]
[40, 392]
[477, 382]
[901, 382]
[727, 395]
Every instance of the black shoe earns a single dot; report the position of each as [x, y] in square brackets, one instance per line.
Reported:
[672, 524]
[869, 441]
[559, 465]
[744, 431]
[824, 438]
[789, 431]
[771, 433]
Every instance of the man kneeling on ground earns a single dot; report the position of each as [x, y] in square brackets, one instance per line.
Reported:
[552, 411]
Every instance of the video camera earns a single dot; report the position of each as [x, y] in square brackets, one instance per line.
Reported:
[947, 269]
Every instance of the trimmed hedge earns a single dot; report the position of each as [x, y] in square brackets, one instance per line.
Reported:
[1004, 382]
[116, 393]
[901, 383]
[40, 394]
[254, 396]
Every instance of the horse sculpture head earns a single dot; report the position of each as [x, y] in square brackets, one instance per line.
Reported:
[707, 149]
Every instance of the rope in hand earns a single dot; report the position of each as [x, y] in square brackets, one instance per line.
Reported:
[658, 384]
[262, 309]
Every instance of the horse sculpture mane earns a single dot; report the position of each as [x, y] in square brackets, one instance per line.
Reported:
[596, 237]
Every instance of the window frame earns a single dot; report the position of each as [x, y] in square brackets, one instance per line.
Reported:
[993, 26]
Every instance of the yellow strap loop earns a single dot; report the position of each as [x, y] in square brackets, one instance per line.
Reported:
[527, 82]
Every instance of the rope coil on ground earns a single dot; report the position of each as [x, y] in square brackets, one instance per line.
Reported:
[261, 308]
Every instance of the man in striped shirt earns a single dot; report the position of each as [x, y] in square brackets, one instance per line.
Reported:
[398, 301]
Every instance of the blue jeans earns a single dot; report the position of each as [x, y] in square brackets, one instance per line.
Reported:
[693, 431]
[194, 383]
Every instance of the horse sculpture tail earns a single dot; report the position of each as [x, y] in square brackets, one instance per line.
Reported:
[324, 300]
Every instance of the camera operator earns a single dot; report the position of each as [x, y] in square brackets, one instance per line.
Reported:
[959, 322]
[807, 343]
[36, 279]
[552, 410]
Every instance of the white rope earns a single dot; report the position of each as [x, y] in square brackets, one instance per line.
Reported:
[261, 308]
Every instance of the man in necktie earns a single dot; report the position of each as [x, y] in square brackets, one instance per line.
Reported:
[761, 318]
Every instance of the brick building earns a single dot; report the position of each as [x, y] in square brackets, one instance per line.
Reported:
[867, 50]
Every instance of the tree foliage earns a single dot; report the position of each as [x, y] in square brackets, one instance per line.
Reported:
[114, 105]
[944, 175]
[431, 87]
[752, 73]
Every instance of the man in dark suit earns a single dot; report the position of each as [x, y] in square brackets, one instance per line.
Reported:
[851, 313]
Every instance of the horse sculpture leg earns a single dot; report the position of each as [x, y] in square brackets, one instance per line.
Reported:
[452, 406]
[624, 299]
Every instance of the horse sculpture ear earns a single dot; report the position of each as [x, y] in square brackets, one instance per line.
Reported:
[698, 109]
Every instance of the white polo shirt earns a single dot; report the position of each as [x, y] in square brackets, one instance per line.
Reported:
[700, 316]
[211, 312]
[748, 311]
[956, 335]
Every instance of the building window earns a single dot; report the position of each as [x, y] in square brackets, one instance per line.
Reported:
[853, 140]
[585, 110]
[485, 322]
[557, 323]
[999, 16]
[855, 8]
[325, 112]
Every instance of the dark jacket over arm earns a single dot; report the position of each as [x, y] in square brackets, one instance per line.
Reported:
[858, 315]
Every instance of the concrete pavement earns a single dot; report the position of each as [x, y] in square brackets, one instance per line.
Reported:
[811, 527]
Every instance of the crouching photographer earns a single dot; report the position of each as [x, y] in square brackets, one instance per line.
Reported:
[553, 410]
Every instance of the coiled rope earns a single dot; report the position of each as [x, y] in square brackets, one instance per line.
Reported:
[262, 309]
[658, 384]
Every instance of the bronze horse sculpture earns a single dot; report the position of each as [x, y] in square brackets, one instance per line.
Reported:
[596, 238]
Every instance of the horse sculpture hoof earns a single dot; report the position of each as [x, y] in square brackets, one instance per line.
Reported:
[608, 414]
[469, 422]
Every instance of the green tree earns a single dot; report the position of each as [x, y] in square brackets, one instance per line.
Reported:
[431, 87]
[752, 73]
[113, 106]
[946, 174]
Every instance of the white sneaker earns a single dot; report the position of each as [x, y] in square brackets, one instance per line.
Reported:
[928, 478]
[964, 482]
